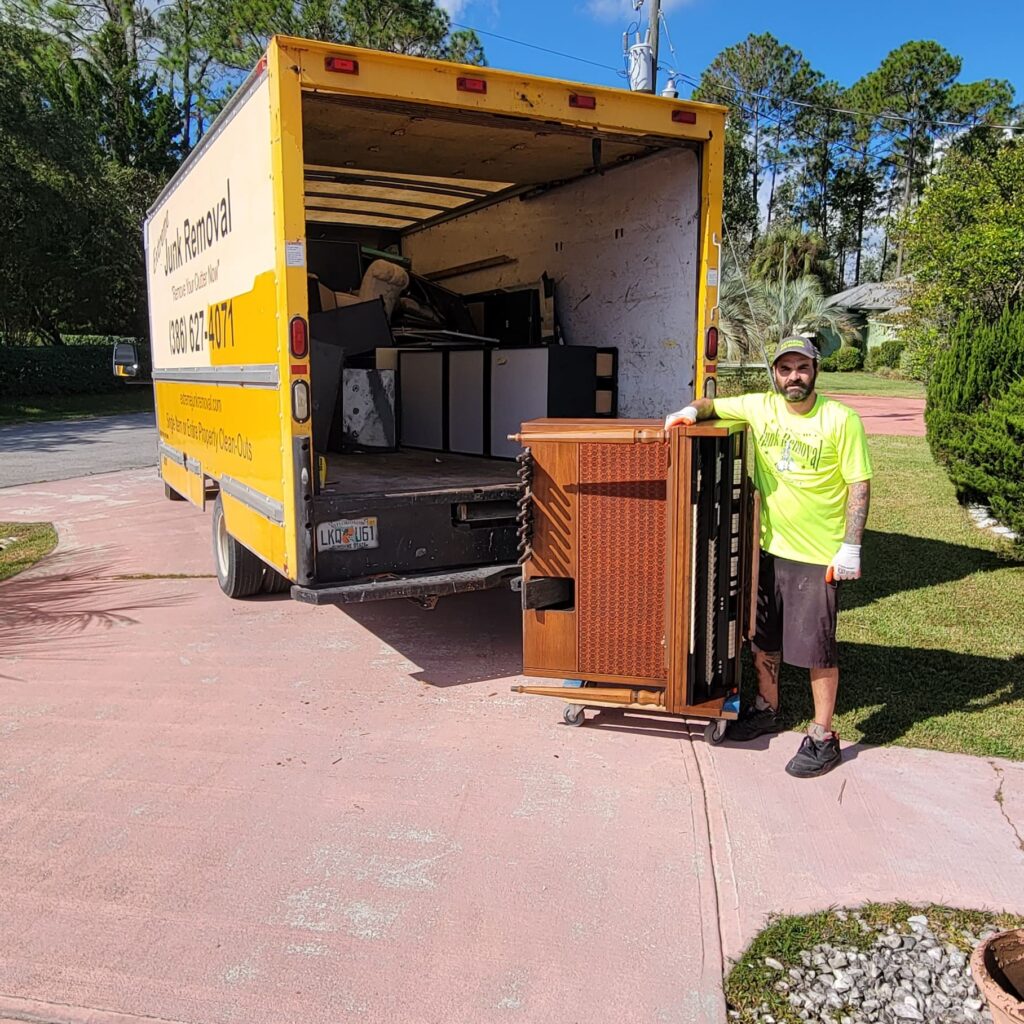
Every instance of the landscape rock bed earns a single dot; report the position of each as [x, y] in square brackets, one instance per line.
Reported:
[903, 975]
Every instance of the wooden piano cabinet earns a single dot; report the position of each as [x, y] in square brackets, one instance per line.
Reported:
[638, 575]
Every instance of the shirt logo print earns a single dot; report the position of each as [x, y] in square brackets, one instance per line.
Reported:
[786, 463]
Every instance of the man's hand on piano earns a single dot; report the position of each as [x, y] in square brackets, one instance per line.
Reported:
[682, 417]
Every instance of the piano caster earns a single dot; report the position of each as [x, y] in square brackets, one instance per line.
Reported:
[574, 714]
[714, 731]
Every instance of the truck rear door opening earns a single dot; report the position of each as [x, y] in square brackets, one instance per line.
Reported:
[468, 249]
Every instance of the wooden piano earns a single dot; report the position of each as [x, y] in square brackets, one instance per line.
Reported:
[638, 549]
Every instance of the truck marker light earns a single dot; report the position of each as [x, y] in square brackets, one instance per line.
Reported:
[684, 116]
[711, 344]
[298, 337]
[299, 368]
[300, 401]
[478, 85]
[582, 102]
[342, 65]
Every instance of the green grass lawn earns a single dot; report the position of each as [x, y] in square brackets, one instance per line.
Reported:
[868, 384]
[131, 398]
[932, 638]
[23, 544]
[751, 982]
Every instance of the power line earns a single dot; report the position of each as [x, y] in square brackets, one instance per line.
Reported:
[534, 46]
[756, 95]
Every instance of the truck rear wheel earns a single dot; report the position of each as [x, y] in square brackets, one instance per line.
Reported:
[239, 571]
[274, 582]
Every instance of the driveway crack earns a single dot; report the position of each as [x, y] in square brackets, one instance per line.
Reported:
[999, 799]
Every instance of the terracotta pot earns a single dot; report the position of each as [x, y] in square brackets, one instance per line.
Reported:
[998, 969]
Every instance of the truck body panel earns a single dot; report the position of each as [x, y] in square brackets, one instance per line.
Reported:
[480, 180]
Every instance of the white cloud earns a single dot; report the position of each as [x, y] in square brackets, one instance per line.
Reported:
[453, 7]
[617, 10]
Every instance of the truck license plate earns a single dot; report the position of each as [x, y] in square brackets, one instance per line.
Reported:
[347, 534]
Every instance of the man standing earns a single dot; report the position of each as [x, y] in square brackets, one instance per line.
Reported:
[813, 470]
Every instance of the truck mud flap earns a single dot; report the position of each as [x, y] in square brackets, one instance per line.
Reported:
[420, 585]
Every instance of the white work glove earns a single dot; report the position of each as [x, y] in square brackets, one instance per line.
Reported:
[845, 565]
[686, 416]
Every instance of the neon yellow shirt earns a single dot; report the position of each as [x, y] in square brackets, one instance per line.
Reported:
[803, 465]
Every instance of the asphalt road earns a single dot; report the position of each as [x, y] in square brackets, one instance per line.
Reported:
[36, 452]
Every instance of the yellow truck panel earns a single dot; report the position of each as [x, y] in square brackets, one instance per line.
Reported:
[476, 178]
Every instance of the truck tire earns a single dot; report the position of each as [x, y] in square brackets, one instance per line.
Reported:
[274, 582]
[239, 571]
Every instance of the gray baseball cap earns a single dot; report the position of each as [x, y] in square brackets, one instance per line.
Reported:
[796, 346]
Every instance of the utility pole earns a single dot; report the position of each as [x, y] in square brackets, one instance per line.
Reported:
[653, 35]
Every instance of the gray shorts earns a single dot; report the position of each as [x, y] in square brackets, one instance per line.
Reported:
[796, 613]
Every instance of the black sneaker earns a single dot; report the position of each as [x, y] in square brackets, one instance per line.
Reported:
[752, 723]
[815, 757]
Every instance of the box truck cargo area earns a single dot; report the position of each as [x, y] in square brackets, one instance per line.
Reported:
[451, 258]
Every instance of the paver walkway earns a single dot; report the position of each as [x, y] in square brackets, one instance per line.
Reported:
[886, 415]
[267, 813]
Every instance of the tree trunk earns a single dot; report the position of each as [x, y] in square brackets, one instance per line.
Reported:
[775, 168]
[757, 167]
[908, 185]
[48, 328]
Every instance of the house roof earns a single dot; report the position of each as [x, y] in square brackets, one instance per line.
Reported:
[873, 295]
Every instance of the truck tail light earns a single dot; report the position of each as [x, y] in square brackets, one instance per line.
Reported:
[342, 65]
[300, 401]
[478, 85]
[298, 337]
[711, 344]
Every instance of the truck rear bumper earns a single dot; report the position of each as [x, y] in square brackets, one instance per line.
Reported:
[420, 585]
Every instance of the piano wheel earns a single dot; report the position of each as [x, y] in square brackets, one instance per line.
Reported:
[574, 714]
[714, 731]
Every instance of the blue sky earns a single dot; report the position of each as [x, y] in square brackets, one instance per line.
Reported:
[843, 41]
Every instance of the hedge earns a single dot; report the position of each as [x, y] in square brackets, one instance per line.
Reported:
[843, 360]
[70, 370]
[740, 380]
[887, 354]
[975, 413]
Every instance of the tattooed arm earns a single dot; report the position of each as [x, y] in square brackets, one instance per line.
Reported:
[846, 564]
[857, 502]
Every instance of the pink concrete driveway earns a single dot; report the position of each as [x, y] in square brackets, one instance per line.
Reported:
[884, 415]
[219, 811]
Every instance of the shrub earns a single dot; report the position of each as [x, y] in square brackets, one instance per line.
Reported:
[975, 413]
[741, 380]
[923, 346]
[885, 355]
[843, 360]
[71, 370]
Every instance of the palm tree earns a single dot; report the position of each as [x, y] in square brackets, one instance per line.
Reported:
[757, 314]
[786, 249]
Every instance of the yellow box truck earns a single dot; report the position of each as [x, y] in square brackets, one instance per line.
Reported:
[340, 179]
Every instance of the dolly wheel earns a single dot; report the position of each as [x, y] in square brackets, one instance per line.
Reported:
[714, 731]
[574, 714]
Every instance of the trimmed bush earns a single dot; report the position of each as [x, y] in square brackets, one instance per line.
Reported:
[69, 370]
[741, 380]
[843, 360]
[975, 413]
[887, 354]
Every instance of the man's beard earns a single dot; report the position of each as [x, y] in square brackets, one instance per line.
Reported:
[798, 391]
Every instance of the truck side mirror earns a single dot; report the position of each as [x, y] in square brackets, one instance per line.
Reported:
[126, 360]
